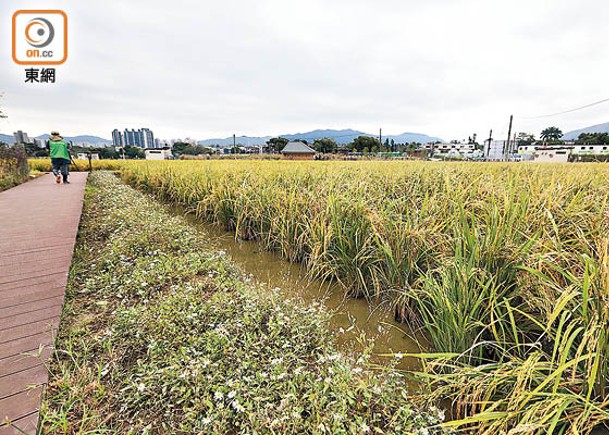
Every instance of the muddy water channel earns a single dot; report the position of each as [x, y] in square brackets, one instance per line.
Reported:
[351, 317]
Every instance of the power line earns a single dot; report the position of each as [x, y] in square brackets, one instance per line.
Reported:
[566, 111]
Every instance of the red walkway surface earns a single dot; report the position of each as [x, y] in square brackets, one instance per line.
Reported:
[38, 225]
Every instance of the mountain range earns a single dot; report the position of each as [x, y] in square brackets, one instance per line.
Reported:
[93, 140]
[340, 136]
[598, 128]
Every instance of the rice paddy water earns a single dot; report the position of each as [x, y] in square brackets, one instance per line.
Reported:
[354, 321]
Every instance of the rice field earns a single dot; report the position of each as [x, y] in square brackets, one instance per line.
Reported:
[161, 334]
[504, 267]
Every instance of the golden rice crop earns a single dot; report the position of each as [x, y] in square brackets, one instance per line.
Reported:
[503, 266]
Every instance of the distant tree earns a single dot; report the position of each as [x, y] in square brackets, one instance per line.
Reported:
[551, 134]
[524, 139]
[593, 139]
[368, 142]
[473, 140]
[185, 148]
[134, 152]
[385, 145]
[179, 147]
[325, 145]
[107, 153]
[277, 143]
[30, 149]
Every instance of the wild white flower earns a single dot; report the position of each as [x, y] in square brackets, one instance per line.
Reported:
[206, 421]
[365, 428]
[141, 387]
[357, 370]
[232, 394]
[218, 395]
[399, 355]
[237, 406]
[276, 361]
[441, 414]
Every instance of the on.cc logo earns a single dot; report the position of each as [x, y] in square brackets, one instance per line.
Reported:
[39, 32]
[40, 37]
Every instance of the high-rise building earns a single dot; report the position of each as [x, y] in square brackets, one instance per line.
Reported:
[130, 138]
[147, 138]
[21, 137]
[118, 140]
[143, 138]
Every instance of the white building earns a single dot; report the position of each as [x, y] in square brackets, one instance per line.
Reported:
[587, 150]
[550, 154]
[85, 156]
[156, 154]
[452, 150]
[575, 150]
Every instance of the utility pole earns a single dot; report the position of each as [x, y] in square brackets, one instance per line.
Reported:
[490, 141]
[380, 139]
[235, 145]
[506, 147]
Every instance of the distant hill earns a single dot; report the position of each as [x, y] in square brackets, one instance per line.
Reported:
[340, 136]
[94, 140]
[599, 128]
[241, 140]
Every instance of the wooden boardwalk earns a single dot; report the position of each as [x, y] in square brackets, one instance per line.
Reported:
[38, 225]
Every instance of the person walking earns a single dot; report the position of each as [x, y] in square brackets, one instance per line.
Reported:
[60, 157]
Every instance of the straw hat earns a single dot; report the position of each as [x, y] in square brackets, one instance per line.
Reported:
[56, 136]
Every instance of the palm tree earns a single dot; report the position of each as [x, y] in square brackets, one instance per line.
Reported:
[551, 133]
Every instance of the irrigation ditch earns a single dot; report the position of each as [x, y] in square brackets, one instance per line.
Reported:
[355, 321]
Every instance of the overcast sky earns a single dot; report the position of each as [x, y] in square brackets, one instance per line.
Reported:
[203, 69]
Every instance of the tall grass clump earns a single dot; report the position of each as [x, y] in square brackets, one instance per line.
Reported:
[503, 267]
[161, 334]
[13, 167]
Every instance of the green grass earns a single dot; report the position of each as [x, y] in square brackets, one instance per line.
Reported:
[161, 334]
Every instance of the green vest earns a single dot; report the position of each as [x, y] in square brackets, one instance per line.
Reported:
[59, 149]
